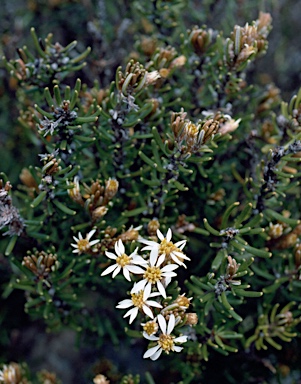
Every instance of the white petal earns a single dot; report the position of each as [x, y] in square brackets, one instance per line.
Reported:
[134, 313]
[148, 247]
[135, 269]
[161, 289]
[160, 260]
[169, 267]
[153, 303]
[150, 337]
[180, 339]
[80, 236]
[160, 235]
[176, 260]
[75, 251]
[169, 274]
[124, 304]
[110, 269]
[169, 235]
[119, 247]
[147, 311]
[180, 244]
[74, 245]
[138, 260]
[171, 324]
[151, 351]
[133, 254]
[162, 323]
[90, 234]
[117, 270]
[145, 241]
[153, 256]
[139, 286]
[176, 348]
[181, 255]
[111, 255]
[154, 294]
[156, 355]
[126, 274]
[147, 292]
[93, 242]
[76, 239]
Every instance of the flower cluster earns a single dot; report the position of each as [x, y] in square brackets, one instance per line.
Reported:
[156, 266]
[9, 214]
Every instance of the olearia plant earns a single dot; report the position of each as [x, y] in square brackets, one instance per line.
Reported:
[179, 149]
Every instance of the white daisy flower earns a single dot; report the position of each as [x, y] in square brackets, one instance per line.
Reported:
[84, 244]
[165, 341]
[153, 274]
[173, 252]
[10, 373]
[123, 261]
[140, 302]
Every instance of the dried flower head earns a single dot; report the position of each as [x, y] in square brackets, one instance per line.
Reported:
[191, 319]
[41, 263]
[111, 189]
[98, 213]
[11, 374]
[232, 268]
[28, 180]
[152, 227]
[9, 215]
[200, 39]
[74, 192]
[101, 379]
[47, 377]
[275, 230]
[133, 79]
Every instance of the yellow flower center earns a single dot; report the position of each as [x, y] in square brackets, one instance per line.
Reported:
[167, 247]
[123, 260]
[83, 244]
[150, 327]
[183, 301]
[137, 299]
[152, 274]
[166, 342]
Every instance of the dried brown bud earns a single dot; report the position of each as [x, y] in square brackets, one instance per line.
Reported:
[41, 263]
[12, 374]
[210, 127]
[74, 192]
[297, 253]
[178, 120]
[111, 189]
[152, 227]
[200, 39]
[191, 319]
[130, 235]
[99, 212]
[275, 230]
[148, 45]
[28, 180]
[232, 267]
[101, 379]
